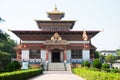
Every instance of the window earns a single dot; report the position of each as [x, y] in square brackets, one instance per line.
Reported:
[76, 54]
[35, 54]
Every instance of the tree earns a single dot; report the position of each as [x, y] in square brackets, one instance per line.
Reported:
[102, 58]
[118, 53]
[97, 63]
[6, 48]
[96, 54]
[110, 59]
[1, 19]
[12, 66]
[105, 66]
[4, 59]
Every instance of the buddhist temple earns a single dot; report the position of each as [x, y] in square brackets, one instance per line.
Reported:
[55, 45]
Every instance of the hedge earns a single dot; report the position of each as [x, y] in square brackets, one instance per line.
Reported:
[20, 75]
[95, 75]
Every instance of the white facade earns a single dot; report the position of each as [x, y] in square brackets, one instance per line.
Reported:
[69, 59]
[43, 55]
[25, 55]
[86, 55]
[68, 53]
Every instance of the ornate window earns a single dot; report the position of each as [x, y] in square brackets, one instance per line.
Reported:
[76, 54]
[34, 54]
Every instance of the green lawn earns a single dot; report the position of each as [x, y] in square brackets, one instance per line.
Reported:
[95, 75]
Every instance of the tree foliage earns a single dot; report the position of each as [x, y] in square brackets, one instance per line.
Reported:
[97, 63]
[96, 54]
[15, 65]
[86, 64]
[4, 59]
[110, 58]
[105, 66]
[118, 53]
[6, 48]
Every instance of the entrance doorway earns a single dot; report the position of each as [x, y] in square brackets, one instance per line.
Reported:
[56, 56]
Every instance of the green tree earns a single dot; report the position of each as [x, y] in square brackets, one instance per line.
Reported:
[102, 58]
[6, 48]
[105, 66]
[12, 66]
[4, 59]
[97, 63]
[96, 54]
[110, 59]
[118, 53]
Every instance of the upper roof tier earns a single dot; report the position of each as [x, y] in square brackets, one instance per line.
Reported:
[55, 23]
[55, 14]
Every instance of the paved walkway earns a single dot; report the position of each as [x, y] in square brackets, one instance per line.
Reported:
[57, 75]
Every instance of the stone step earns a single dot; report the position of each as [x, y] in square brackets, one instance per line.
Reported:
[56, 67]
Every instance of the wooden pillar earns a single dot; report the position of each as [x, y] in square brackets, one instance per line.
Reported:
[92, 55]
[47, 55]
[64, 55]
[18, 55]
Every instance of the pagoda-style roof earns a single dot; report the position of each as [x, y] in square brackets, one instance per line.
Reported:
[55, 14]
[48, 23]
[45, 35]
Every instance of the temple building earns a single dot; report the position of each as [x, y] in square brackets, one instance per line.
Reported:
[55, 43]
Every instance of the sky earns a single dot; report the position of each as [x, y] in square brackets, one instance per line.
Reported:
[89, 15]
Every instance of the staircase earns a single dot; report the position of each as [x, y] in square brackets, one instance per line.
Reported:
[56, 67]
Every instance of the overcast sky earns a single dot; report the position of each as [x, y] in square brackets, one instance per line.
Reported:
[89, 15]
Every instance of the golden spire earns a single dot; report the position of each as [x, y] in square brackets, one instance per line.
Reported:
[55, 9]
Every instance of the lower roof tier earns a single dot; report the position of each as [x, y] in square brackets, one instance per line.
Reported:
[46, 35]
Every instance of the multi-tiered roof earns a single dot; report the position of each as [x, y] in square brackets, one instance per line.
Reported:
[48, 27]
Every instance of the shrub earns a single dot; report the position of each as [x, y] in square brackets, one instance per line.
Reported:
[20, 75]
[115, 70]
[15, 65]
[105, 66]
[95, 75]
[86, 64]
[95, 69]
[96, 63]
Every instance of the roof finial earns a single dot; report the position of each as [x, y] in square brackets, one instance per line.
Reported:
[55, 7]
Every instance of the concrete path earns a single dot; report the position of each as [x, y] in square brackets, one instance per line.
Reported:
[57, 75]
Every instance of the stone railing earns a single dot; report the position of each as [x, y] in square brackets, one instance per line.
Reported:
[32, 61]
[76, 61]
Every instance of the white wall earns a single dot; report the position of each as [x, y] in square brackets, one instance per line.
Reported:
[86, 55]
[25, 54]
[43, 55]
[50, 55]
[68, 52]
